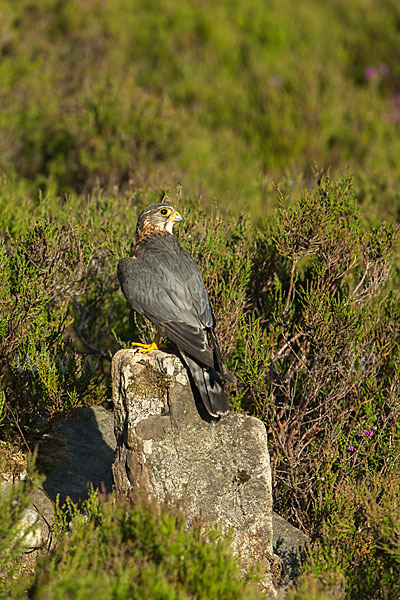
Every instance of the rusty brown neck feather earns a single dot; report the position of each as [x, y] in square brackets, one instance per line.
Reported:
[146, 230]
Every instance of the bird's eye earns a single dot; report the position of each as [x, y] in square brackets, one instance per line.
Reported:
[164, 211]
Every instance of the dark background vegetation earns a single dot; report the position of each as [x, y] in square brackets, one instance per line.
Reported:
[274, 127]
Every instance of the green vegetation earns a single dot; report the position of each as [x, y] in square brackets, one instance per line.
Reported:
[115, 550]
[223, 99]
[105, 108]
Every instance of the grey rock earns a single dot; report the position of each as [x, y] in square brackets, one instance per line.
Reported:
[220, 469]
[289, 545]
[30, 530]
[41, 515]
[9, 480]
[34, 530]
[82, 449]
[86, 445]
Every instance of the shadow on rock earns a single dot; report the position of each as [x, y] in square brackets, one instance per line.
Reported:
[86, 444]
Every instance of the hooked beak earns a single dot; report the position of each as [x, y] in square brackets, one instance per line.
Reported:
[177, 218]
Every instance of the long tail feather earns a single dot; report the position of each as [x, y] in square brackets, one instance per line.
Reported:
[209, 385]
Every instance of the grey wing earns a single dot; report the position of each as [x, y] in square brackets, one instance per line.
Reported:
[172, 295]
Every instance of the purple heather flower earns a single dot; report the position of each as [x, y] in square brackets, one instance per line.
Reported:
[350, 449]
[370, 73]
[366, 432]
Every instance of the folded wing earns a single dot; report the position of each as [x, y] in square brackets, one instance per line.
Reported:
[163, 283]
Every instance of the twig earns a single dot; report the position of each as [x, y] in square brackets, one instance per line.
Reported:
[290, 285]
[16, 422]
[286, 345]
[94, 349]
[361, 280]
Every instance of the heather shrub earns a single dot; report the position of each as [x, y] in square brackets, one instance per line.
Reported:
[319, 356]
[42, 374]
[358, 547]
[116, 549]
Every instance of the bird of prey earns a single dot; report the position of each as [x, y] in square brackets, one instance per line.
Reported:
[162, 282]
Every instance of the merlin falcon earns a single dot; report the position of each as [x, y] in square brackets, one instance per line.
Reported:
[162, 282]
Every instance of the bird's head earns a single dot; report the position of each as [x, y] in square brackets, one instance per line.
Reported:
[157, 217]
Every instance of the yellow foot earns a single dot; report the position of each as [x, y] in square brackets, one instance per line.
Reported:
[144, 348]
